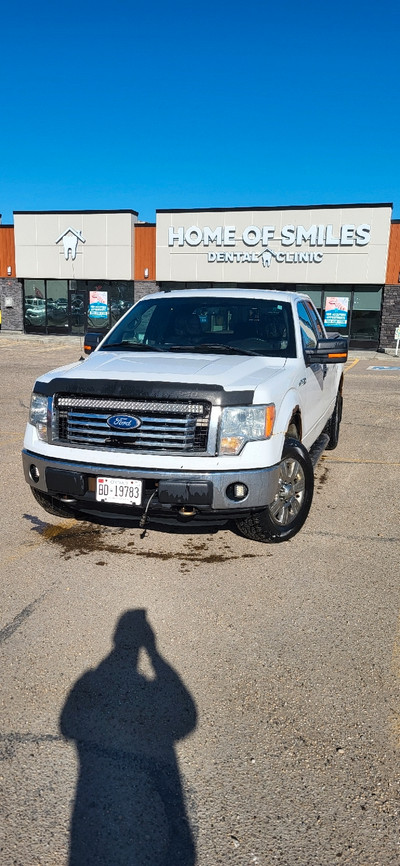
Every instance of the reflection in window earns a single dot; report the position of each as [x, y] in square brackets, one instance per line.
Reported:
[315, 294]
[252, 325]
[34, 305]
[365, 325]
[366, 315]
[308, 335]
[367, 300]
[317, 324]
[57, 304]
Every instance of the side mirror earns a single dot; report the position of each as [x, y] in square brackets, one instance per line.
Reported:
[91, 342]
[330, 350]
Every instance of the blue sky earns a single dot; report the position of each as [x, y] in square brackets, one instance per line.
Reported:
[149, 105]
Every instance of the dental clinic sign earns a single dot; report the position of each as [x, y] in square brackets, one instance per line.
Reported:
[338, 244]
[290, 236]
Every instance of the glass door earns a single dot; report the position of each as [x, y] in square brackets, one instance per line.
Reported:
[78, 300]
[366, 317]
[57, 306]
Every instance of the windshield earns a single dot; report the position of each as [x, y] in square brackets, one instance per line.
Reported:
[248, 326]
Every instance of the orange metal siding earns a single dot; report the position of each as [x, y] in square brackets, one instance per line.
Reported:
[7, 251]
[393, 266]
[145, 251]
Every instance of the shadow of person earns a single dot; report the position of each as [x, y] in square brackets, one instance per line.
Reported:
[129, 808]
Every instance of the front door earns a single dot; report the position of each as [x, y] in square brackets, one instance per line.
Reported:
[78, 311]
[318, 378]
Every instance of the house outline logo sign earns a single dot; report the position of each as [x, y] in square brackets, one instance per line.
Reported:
[70, 240]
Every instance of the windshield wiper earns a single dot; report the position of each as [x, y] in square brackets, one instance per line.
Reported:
[206, 348]
[212, 349]
[130, 347]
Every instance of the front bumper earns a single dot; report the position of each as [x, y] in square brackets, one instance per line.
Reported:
[74, 484]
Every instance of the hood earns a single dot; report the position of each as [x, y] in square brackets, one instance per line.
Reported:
[229, 371]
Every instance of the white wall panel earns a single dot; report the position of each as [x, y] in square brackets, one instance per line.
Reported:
[346, 244]
[104, 249]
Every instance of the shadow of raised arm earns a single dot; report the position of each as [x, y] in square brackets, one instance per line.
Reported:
[129, 804]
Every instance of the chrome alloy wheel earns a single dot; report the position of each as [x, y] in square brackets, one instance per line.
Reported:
[291, 492]
[283, 519]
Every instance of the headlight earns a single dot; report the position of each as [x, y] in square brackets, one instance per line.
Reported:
[38, 414]
[241, 424]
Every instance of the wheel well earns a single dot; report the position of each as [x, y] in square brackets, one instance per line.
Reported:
[295, 427]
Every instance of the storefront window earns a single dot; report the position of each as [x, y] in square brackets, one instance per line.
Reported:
[366, 315]
[337, 309]
[57, 305]
[34, 306]
[314, 294]
[75, 306]
[351, 310]
[107, 301]
[121, 296]
[98, 316]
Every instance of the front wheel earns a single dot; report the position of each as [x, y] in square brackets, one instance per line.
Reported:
[288, 511]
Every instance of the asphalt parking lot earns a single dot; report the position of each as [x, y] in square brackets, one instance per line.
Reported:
[189, 696]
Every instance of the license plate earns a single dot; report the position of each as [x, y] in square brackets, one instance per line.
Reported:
[122, 491]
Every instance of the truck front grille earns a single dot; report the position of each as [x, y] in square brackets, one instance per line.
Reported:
[179, 427]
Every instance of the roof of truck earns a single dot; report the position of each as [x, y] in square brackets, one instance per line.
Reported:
[221, 291]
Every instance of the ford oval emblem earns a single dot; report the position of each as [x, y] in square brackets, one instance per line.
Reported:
[123, 422]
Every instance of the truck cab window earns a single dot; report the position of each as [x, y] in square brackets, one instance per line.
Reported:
[308, 334]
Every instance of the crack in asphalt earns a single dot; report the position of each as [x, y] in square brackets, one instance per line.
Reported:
[327, 534]
[14, 738]
[21, 617]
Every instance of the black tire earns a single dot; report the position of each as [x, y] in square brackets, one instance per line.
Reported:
[283, 519]
[332, 428]
[51, 505]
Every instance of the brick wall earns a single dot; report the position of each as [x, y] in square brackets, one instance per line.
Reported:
[390, 316]
[12, 314]
[144, 287]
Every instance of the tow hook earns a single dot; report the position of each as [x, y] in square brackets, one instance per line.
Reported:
[187, 511]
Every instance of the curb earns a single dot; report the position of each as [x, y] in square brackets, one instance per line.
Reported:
[41, 339]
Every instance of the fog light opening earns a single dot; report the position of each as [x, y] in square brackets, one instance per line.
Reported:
[237, 492]
[34, 473]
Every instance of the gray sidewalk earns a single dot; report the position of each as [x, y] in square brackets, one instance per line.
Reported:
[41, 339]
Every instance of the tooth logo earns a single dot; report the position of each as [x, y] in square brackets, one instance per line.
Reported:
[70, 240]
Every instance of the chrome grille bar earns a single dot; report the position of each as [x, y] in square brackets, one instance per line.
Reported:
[175, 427]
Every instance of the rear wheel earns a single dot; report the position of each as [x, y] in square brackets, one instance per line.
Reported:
[288, 511]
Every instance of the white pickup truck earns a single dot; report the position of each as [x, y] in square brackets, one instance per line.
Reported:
[197, 405]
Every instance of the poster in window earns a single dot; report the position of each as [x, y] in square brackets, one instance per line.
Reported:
[98, 304]
[336, 312]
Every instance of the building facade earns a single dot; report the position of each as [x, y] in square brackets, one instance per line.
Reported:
[68, 272]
